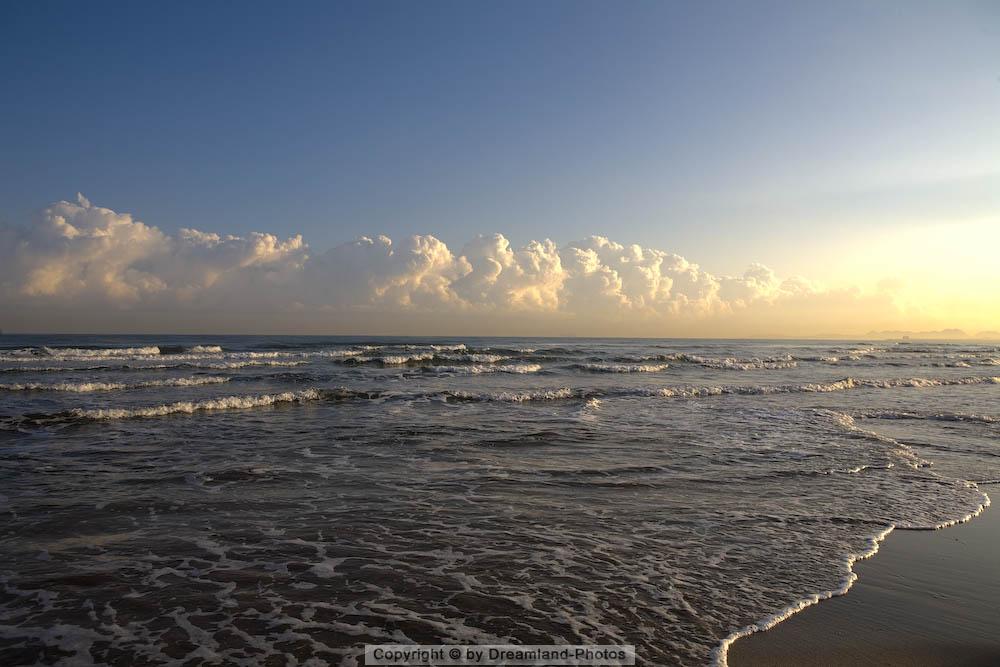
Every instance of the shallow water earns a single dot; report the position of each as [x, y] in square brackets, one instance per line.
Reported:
[269, 500]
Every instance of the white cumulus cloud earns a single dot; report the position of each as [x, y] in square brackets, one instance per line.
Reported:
[75, 255]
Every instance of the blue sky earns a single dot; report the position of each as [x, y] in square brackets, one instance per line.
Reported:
[722, 131]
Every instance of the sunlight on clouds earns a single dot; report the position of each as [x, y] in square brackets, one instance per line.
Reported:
[79, 256]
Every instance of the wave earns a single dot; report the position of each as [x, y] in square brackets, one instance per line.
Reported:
[525, 396]
[206, 349]
[189, 407]
[400, 359]
[85, 387]
[561, 393]
[564, 393]
[936, 416]
[730, 363]
[235, 402]
[225, 365]
[475, 357]
[421, 357]
[335, 354]
[58, 369]
[437, 347]
[198, 363]
[817, 387]
[930, 382]
[621, 368]
[35, 353]
[482, 369]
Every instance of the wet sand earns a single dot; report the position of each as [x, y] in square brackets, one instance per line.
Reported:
[926, 598]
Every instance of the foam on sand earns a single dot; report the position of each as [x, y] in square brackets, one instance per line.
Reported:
[719, 655]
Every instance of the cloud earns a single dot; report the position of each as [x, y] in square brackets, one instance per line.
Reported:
[75, 256]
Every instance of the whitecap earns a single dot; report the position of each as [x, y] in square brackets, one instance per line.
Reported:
[188, 407]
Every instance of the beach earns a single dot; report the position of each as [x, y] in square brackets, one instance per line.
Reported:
[926, 598]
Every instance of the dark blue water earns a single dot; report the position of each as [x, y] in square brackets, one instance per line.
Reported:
[276, 500]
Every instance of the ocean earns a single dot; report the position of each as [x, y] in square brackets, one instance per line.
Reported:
[271, 500]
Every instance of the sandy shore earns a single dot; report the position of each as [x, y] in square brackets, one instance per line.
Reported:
[926, 598]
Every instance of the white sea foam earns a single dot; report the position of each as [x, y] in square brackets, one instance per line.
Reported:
[475, 357]
[402, 359]
[52, 369]
[513, 396]
[260, 355]
[698, 391]
[223, 365]
[718, 390]
[814, 387]
[206, 349]
[481, 369]
[932, 416]
[144, 365]
[335, 354]
[69, 353]
[734, 363]
[623, 368]
[188, 407]
[930, 382]
[719, 655]
[84, 387]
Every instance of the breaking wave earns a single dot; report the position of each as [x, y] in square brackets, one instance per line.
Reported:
[206, 349]
[193, 364]
[475, 357]
[34, 353]
[84, 387]
[815, 387]
[512, 396]
[222, 365]
[931, 416]
[731, 363]
[188, 407]
[481, 369]
[621, 368]
[709, 390]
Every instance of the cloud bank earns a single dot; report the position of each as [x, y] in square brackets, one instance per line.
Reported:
[80, 267]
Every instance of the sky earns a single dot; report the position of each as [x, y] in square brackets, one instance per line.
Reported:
[708, 169]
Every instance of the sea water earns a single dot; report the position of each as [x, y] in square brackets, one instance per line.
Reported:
[286, 500]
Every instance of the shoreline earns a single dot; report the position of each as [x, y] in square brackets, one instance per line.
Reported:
[928, 601]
